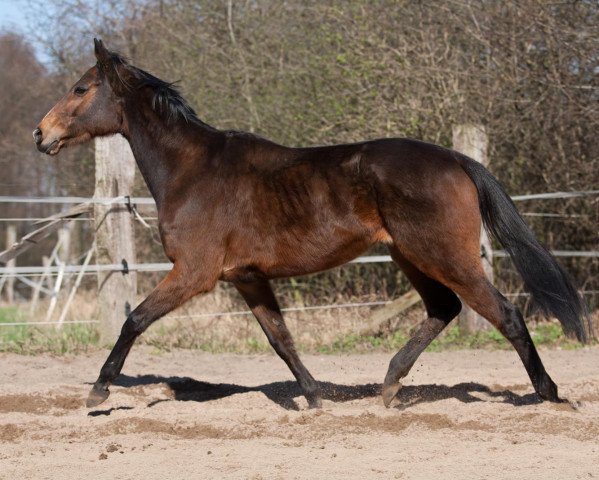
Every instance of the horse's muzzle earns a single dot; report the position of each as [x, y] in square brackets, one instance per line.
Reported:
[37, 136]
[51, 148]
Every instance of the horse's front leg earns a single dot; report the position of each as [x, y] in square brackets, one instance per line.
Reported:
[178, 286]
[260, 298]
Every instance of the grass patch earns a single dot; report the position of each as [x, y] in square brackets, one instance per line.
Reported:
[165, 339]
[29, 340]
[543, 335]
[25, 339]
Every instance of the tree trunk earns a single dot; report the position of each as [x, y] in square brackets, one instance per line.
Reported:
[115, 170]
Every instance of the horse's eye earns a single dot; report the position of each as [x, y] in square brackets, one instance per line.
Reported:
[80, 91]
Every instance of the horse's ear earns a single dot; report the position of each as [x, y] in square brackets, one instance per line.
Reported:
[109, 66]
[102, 54]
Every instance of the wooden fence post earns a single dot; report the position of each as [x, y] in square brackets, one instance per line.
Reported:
[471, 140]
[115, 243]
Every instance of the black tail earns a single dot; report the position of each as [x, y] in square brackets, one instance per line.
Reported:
[550, 286]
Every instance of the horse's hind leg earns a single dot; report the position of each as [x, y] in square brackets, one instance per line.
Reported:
[442, 305]
[176, 288]
[459, 268]
[260, 298]
[504, 315]
[435, 223]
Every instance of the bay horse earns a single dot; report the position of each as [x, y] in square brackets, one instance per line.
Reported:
[236, 207]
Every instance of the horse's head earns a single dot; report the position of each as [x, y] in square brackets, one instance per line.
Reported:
[92, 107]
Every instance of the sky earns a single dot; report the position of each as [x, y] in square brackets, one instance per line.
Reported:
[13, 16]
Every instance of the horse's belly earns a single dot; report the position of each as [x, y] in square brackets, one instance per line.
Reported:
[292, 255]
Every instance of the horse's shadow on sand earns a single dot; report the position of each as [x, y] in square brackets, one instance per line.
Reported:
[187, 389]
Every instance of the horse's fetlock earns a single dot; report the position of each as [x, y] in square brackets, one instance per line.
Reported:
[547, 390]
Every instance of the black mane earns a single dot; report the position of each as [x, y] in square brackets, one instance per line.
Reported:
[167, 100]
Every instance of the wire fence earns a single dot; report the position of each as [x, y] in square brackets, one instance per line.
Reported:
[36, 271]
[23, 273]
[249, 312]
[127, 200]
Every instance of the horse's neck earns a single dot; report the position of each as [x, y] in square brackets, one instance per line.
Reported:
[161, 150]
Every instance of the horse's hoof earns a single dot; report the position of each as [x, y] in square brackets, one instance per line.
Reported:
[389, 393]
[547, 390]
[314, 402]
[97, 396]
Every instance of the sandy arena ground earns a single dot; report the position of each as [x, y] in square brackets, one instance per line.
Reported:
[184, 414]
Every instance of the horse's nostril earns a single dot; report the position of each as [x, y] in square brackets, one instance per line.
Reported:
[37, 135]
